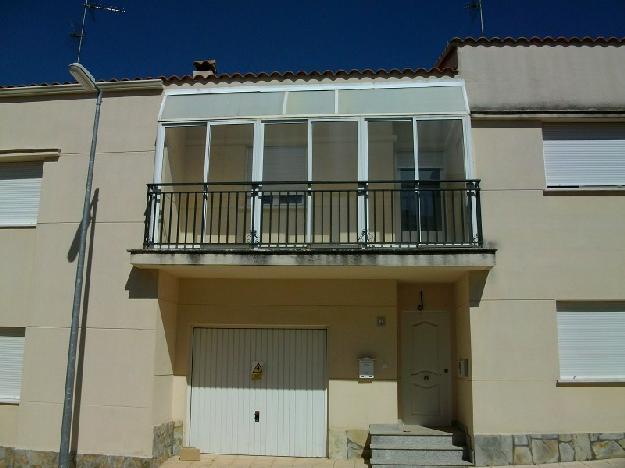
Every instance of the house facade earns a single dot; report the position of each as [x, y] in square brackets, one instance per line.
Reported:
[311, 264]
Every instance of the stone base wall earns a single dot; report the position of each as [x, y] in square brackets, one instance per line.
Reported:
[528, 449]
[348, 443]
[167, 441]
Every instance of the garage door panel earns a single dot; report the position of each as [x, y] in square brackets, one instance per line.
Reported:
[291, 396]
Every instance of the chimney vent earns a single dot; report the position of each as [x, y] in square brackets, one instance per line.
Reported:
[204, 68]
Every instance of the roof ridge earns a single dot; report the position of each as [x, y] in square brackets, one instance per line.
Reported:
[454, 42]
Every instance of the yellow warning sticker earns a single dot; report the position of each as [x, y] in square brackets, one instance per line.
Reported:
[258, 368]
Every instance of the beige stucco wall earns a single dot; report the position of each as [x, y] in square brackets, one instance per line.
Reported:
[566, 247]
[543, 77]
[115, 374]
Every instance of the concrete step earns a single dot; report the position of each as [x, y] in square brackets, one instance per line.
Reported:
[405, 456]
[393, 445]
[416, 441]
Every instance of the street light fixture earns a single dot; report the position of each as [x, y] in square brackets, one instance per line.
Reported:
[82, 75]
[88, 83]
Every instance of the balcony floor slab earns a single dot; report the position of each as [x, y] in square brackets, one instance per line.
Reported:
[441, 264]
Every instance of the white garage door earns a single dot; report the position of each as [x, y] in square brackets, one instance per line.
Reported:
[259, 392]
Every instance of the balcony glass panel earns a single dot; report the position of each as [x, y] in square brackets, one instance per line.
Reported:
[443, 206]
[391, 210]
[334, 207]
[285, 158]
[229, 170]
[183, 163]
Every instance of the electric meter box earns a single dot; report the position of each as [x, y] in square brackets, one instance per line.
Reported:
[366, 368]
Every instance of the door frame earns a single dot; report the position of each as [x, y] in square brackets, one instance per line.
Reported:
[448, 410]
[186, 426]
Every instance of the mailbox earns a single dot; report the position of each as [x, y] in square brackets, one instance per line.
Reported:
[366, 368]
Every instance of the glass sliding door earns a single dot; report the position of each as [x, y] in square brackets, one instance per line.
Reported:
[228, 204]
[392, 207]
[284, 198]
[334, 204]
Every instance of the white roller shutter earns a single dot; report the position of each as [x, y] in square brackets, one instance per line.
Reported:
[591, 340]
[11, 357]
[20, 187]
[584, 154]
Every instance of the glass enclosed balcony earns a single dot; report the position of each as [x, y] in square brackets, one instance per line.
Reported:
[352, 181]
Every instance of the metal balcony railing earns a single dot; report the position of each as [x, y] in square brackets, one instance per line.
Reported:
[285, 214]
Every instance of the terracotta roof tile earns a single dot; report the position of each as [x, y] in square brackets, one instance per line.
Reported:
[277, 75]
[525, 41]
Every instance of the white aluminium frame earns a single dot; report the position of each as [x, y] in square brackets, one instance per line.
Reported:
[362, 129]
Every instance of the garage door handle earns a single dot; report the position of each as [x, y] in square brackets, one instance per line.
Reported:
[256, 416]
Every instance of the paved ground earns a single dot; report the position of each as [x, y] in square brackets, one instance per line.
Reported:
[214, 461]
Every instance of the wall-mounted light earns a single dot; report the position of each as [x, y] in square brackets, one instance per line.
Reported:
[420, 305]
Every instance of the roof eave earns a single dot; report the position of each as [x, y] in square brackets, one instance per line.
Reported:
[74, 88]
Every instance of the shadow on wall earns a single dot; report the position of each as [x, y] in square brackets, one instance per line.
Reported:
[477, 281]
[142, 284]
[72, 254]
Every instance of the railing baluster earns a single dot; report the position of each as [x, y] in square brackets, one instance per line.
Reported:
[454, 236]
[194, 214]
[236, 217]
[186, 218]
[244, 232]
[478, 213]
[178, 220]
[443, 196]
[228, 218]
[286, 234]
[171, 207]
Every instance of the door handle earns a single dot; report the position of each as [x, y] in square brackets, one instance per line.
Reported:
[256, 416]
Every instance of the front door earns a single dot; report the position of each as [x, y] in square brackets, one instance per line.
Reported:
[425, 368]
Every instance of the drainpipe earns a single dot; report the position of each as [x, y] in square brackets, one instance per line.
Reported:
[87, 81]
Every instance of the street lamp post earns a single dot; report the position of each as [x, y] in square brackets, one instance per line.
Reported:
[86, 80]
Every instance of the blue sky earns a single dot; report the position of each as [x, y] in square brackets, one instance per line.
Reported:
[163, 37]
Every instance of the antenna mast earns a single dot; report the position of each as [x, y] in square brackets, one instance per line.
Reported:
[477, 5]
[90, 6]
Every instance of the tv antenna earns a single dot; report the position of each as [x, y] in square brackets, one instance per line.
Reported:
[477, 5]
[91, 6]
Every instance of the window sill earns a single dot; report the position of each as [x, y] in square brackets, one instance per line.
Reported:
[9, 401]
[17, 226]
[585, 191]
[29, 155]
[612, 381]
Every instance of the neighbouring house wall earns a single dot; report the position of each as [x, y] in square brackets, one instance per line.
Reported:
[550, 248]
[543, 77]
[17, 251]
[115, 372]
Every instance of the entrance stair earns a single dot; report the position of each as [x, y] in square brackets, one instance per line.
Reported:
[401, 445]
